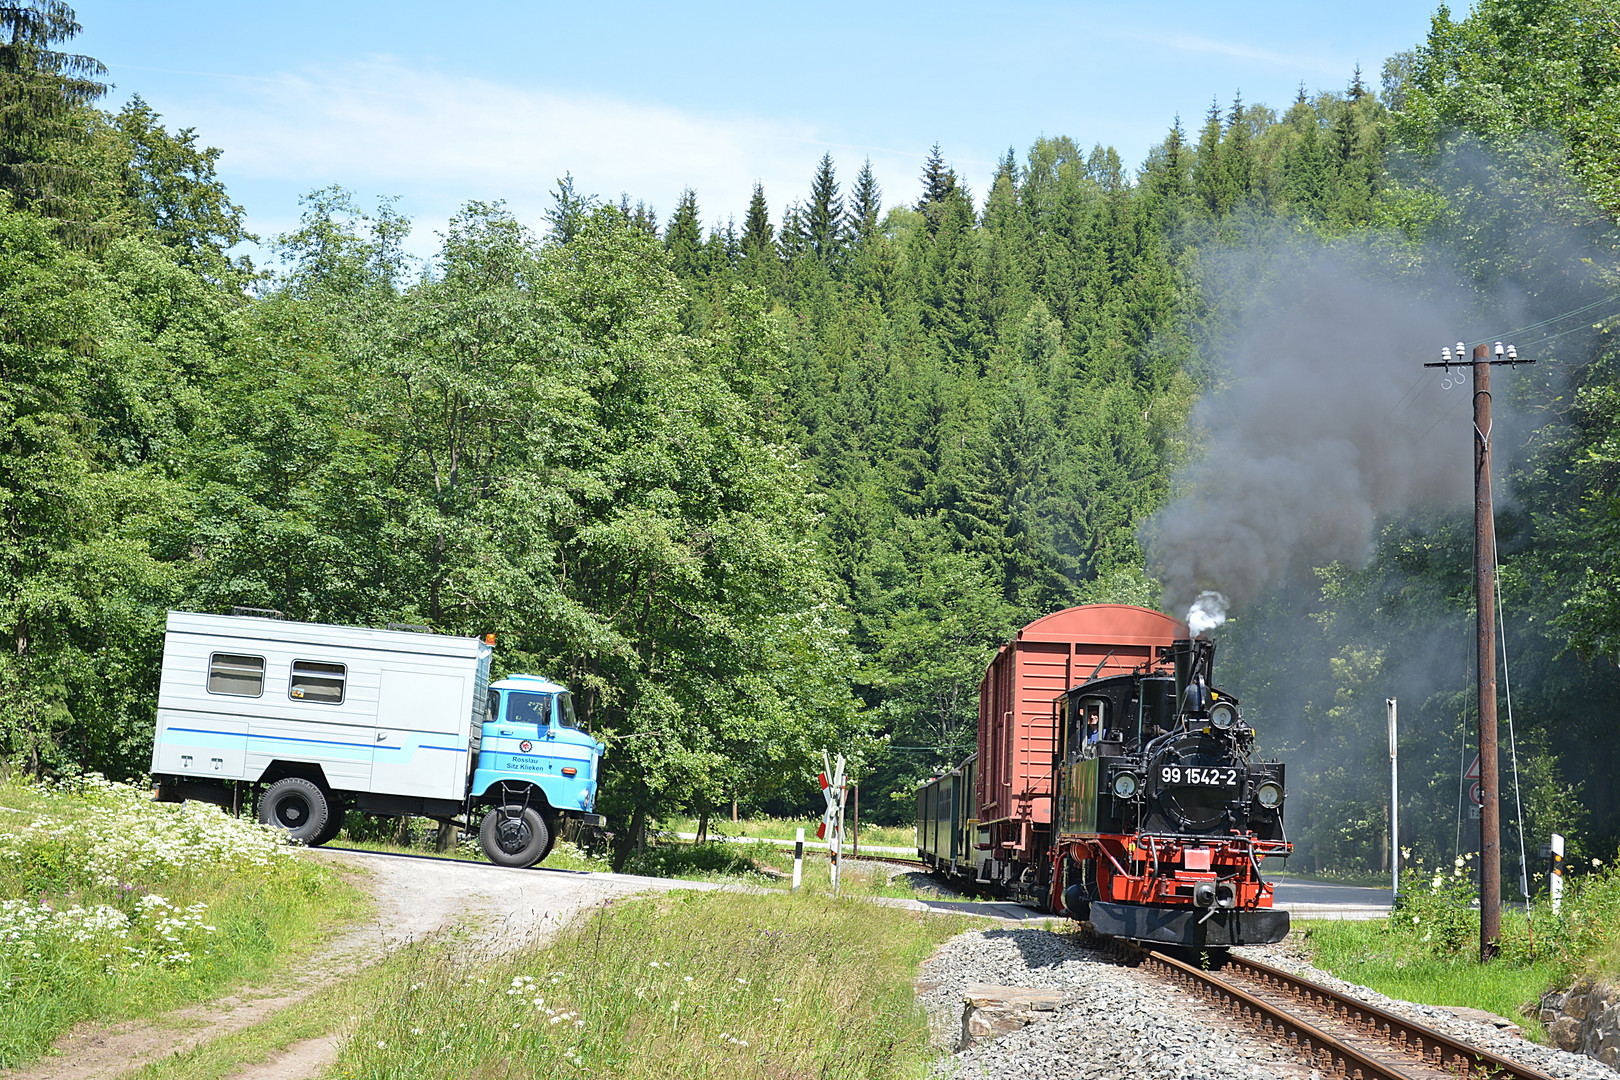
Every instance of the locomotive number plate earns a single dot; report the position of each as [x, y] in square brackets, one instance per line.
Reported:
[1198, 776]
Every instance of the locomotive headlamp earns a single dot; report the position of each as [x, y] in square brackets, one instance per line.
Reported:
[1125, 785]
[1224, 715]
[1269, 794]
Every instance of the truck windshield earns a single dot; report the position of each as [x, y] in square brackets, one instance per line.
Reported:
[522, 708]
[565, 710]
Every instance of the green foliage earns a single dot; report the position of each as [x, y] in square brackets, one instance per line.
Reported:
[1513, 66]
[44, 95]
[177, 198]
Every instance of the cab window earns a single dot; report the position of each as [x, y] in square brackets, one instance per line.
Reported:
[526, 708]
[1094, 717]
[492, 706]
[565, 710]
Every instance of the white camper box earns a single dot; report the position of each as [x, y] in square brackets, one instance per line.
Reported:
[390, 716]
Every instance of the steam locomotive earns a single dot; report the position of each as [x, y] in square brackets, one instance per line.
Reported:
[1114, 783]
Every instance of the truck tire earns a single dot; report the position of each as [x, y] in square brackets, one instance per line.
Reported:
[514, 836]
[295, 807]
[334, 825]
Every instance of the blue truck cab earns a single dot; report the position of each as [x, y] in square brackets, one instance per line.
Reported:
[535, 765]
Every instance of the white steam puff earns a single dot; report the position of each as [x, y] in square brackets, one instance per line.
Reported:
[1206, 613]
[1322, 421]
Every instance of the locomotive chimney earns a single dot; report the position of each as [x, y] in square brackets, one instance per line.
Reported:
[1193, 657]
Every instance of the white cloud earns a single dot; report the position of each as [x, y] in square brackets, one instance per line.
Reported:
[1296, 61]
[382, 127]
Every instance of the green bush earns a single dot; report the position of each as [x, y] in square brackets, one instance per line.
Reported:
[685, 860]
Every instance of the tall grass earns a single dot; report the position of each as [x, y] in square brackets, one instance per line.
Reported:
[112, 905]
[703, 984]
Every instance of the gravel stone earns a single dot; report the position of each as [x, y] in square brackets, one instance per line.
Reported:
[1114, 1022]
[1117, 1022]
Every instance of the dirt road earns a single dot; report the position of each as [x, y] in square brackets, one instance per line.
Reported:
[416, 898]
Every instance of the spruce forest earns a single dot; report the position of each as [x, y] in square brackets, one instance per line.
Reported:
[757, 489]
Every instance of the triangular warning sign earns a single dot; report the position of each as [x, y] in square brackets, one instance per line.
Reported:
[1473, 770]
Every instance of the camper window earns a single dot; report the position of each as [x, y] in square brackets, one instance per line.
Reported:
[242, 676]
[315, 681]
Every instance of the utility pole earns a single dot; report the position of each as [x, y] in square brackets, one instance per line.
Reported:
[1490, 821]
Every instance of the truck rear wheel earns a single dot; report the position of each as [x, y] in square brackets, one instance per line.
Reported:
[334, 825]
[514, 836]
[297, 808]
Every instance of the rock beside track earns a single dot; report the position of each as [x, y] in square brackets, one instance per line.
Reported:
[1113, 1021]
[1486, 1036]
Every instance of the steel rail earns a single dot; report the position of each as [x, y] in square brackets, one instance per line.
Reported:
[1323, 1050]
[1402, 1036]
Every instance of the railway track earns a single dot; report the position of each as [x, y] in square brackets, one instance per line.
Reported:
[1335, 1032]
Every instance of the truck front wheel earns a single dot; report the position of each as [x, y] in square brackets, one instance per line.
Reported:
[514, 836]
[297, 808]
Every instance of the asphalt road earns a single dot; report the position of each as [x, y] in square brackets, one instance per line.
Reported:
[1292, 890]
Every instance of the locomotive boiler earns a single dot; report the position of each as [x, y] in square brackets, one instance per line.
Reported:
[1116, 783]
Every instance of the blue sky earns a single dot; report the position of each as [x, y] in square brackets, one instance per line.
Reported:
[439, 103]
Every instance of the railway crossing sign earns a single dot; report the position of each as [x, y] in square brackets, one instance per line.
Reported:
[831, 828]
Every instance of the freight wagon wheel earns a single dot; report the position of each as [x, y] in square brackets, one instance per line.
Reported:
[334, 825]
[297, 808]
[514, 836]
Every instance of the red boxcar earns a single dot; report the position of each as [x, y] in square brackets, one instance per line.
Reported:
[1012, 824]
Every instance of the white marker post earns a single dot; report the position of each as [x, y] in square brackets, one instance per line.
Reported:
[798, 859]
[1394, 807]
[1556, 886]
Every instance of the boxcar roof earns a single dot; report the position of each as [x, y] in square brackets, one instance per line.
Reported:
[1115, 624]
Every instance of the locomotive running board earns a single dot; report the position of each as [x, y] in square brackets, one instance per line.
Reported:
[1181, 926]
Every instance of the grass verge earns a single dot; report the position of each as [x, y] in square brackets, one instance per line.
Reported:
[683, 984]
[1380, 955]
[113, 906]
[1428, 949]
